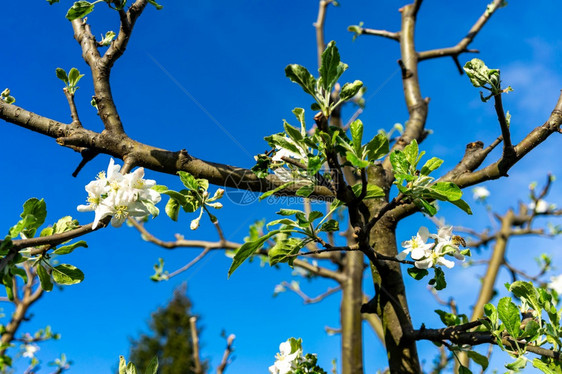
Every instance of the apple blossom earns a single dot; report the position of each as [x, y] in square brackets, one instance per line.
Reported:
[120, 196]
[541, 206]
[284, 359]
[417, 245]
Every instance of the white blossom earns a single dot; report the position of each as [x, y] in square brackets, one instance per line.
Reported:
[417, 246]
[556, 284]
[30, 350]
[120, 195]
[480, 193]
[284, 359]
[541, 206]
[447, 242]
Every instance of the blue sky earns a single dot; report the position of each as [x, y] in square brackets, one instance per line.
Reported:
[209, 77]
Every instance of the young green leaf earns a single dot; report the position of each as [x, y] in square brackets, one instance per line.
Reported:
[188, 180]
[416, 273]
[331, 68]
[377, 147]
[61, 74]
[44, 278]
[460, 203]
[431, 165]
[356, 128]
[356, 161]
[173, 209]
[292, 132]
[330, 226]
[399, 162]
[446, 191]
[73, 77]
[79, 9]
[518, 364]
[508, 313]
[67, 274]
[301, 76]
[248, 249]
[275, 190]
[299, 113]
[70, 248]
[478, 359]
[305, 191]
[350, 89]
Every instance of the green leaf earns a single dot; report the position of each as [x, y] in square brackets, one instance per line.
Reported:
[305, 191]
[280, 141]
[509, 315]
[399, 162]
[464, 370]
[373, 191]
[275, 190]
[518, 364]
[350, 89]
[260, 169]
[44, 278]
[299, 75]
[71, 247]
[131, 369]
[152, 367]
[447, 191]
[79, 9]
[314, 215]
[331, 68]
[67, 274]
[431, 165]
[411, 152]
[158, 6]
[189, 181]
[173, 209]
[152, 209]
[289, 212]
[356, 128]
[33, 216]
[426, 207]
[330, 226]
[299, 113]
[491, 312]
[51, 2]
[314, 164]
[449, 319]
[438, 280]
[73, 77]
[284, 250]
[248, 249]
[527, 292]
[292, 132]
[377, 147]
[356, 161]
[460, 203]
[416, 273]
[543, 367]
[478, 359]
[61, 74]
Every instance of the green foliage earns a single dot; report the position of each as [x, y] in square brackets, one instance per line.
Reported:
[481, 76]
[195, 196]
[331, 69]
[107, 39]
[169, 340]
[6, 97]
[79, 9]
[70, 80]
[418, 186]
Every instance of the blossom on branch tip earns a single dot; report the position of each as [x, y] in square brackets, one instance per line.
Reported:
[541, 206]
[120, 196]
[417, 246]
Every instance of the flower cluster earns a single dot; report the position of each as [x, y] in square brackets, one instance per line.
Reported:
[120, 196]
[428, 255]
[290, 360]
[286, 359]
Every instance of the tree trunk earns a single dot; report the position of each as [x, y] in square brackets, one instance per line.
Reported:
[391, 305]
[351, 320]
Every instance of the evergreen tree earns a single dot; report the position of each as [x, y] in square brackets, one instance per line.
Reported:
[170, 338]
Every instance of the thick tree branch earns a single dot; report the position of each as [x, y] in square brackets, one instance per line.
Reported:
[157, 159]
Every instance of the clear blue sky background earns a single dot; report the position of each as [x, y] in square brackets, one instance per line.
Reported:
[198, 67]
